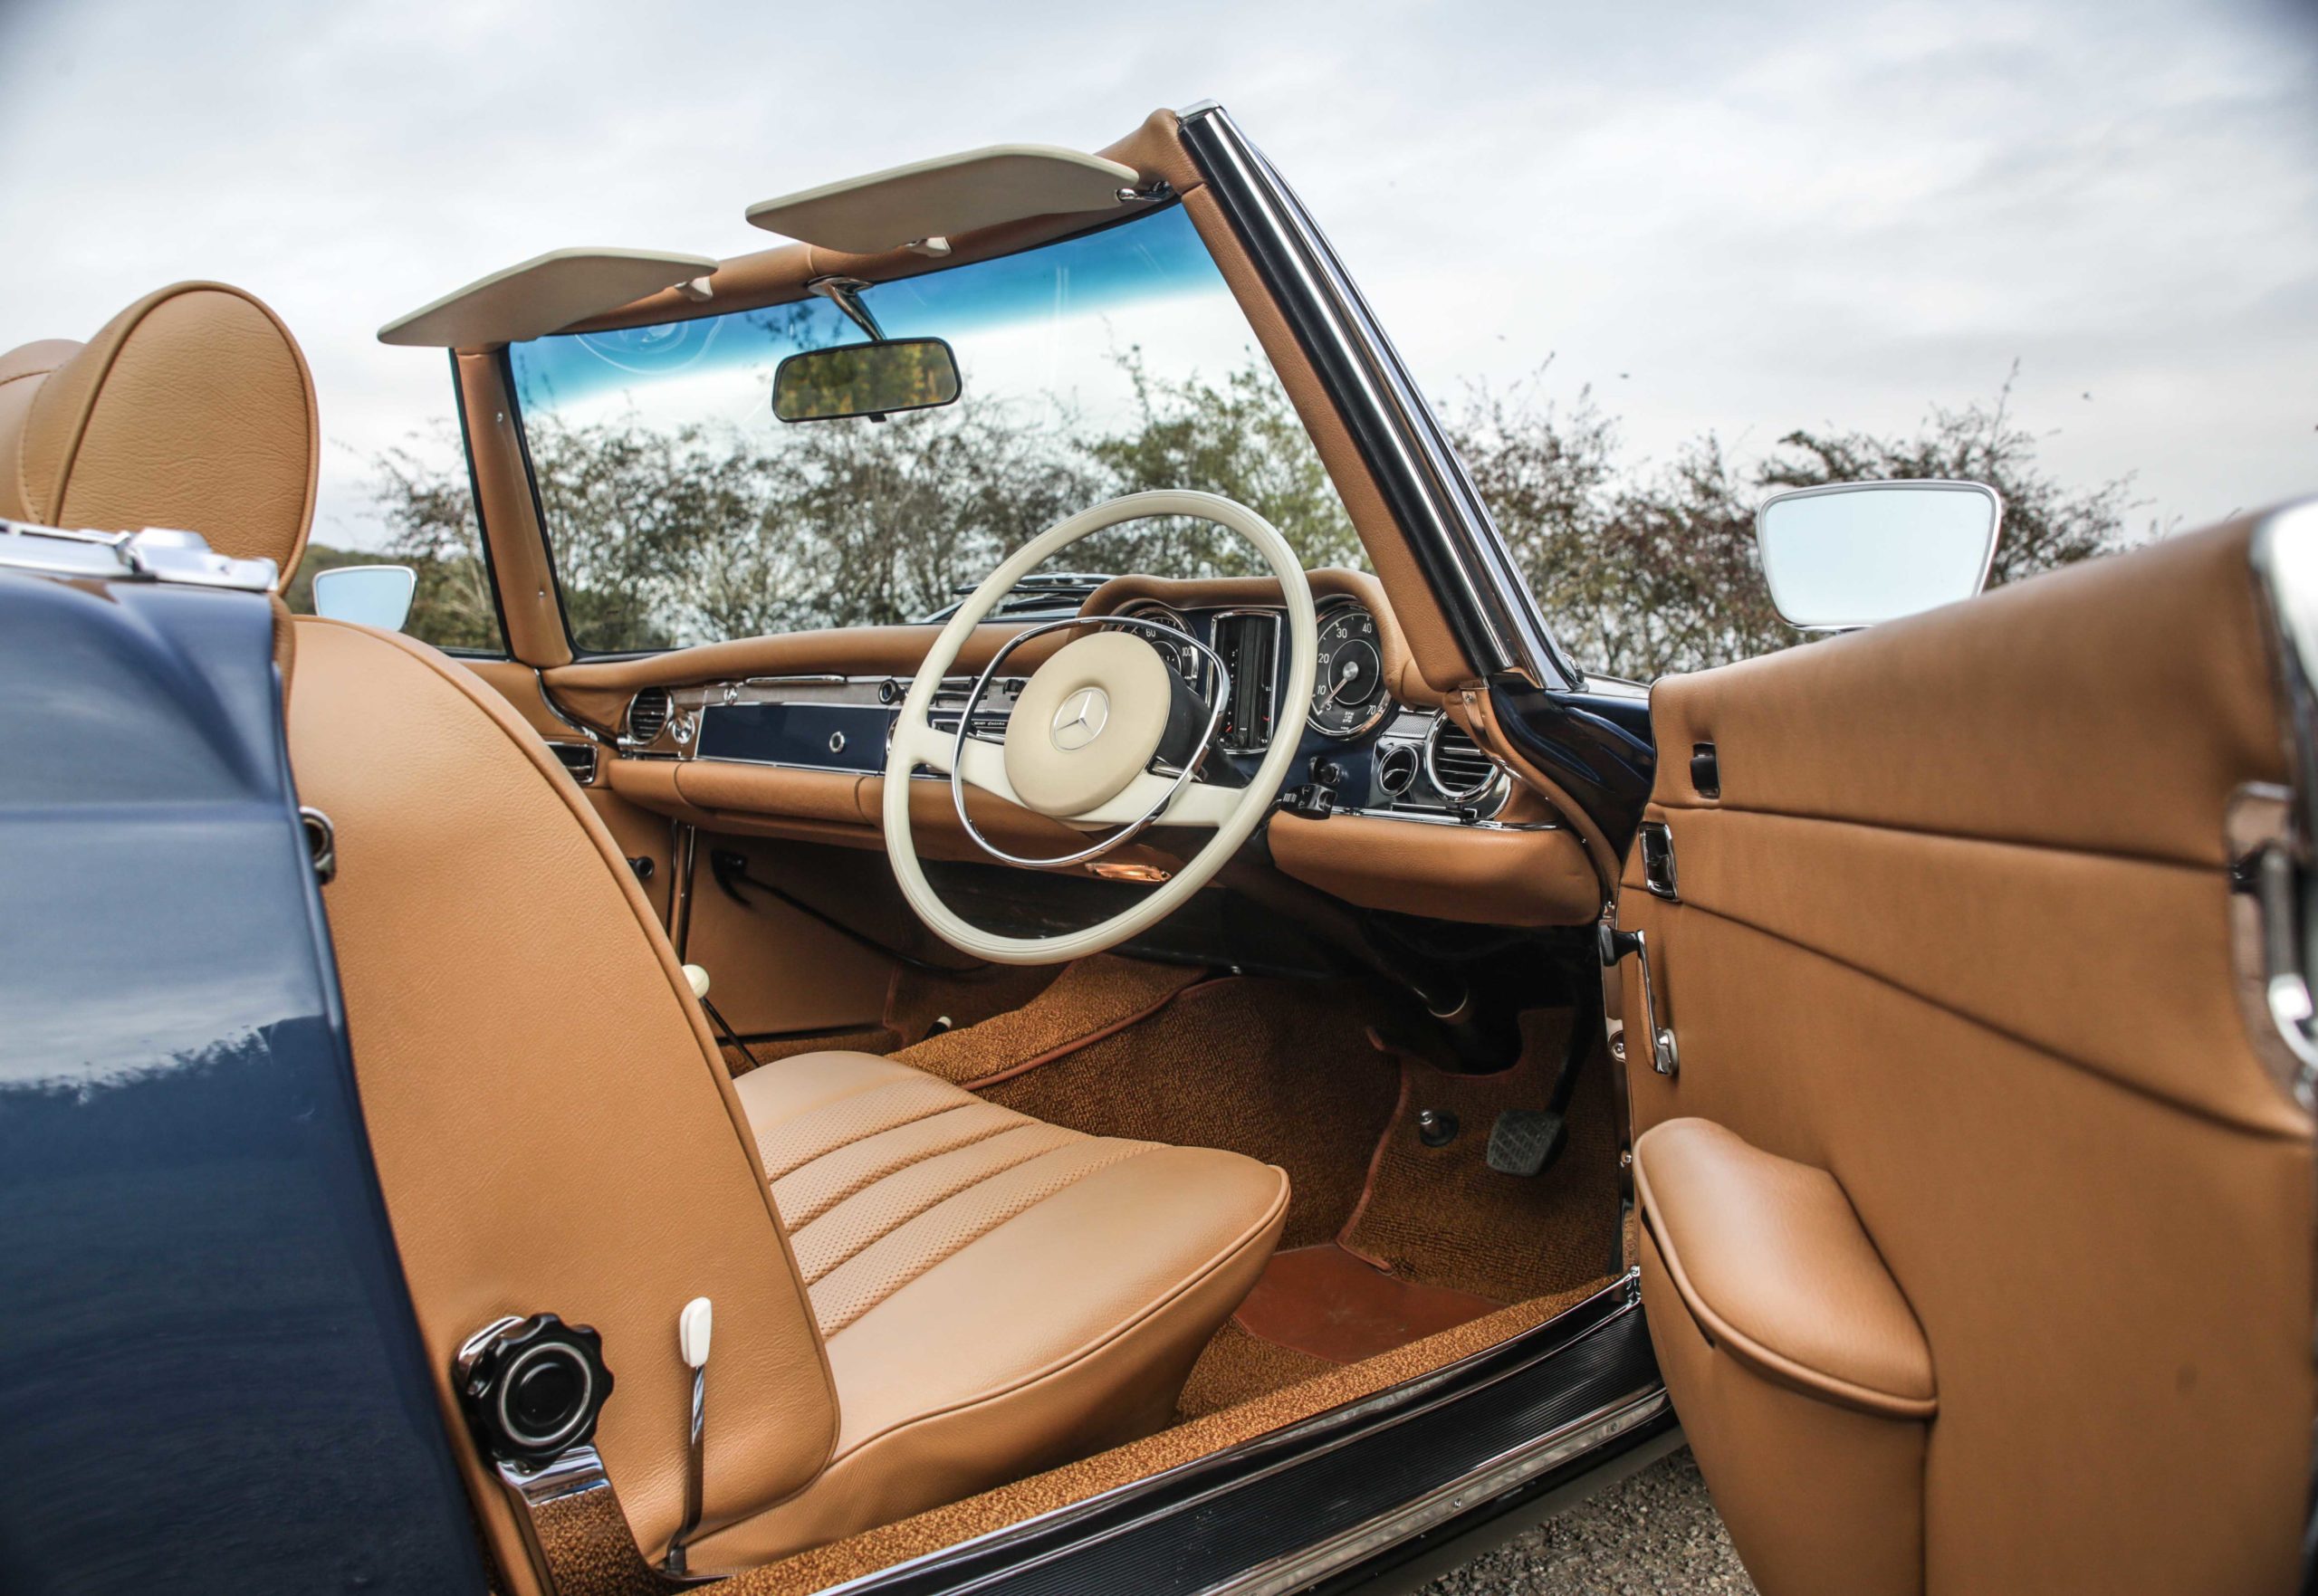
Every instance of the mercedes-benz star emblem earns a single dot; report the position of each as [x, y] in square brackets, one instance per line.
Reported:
[1081, 718]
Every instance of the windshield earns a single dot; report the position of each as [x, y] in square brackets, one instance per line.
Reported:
[679, 511]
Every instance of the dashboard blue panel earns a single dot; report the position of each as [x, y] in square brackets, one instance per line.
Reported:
[823, 736]
[210, 1377]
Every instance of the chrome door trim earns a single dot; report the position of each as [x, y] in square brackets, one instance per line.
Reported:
[1457, 544]
[1439, 1506]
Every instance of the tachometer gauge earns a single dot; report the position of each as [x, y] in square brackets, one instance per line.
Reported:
[1179, 659]
[1348, 693]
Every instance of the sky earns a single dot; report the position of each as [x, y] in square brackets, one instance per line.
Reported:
[1736, 219]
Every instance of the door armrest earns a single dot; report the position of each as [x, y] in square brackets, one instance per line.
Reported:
[1774, 1266]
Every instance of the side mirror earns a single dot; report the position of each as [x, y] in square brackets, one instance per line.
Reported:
[1853, 554]
[865, 380]
[371, 595]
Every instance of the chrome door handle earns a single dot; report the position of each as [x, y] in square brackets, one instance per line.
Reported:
[1613, 945]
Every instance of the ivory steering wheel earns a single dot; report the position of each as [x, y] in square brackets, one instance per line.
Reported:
[1084, 742]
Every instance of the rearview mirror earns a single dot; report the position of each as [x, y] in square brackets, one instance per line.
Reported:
[865, 380]
[370, 595]
[1853, 554]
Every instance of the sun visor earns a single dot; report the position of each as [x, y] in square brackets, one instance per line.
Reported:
[947, 196]
[544, 295]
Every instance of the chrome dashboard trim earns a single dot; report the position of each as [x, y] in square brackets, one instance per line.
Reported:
[1445, 817]
[1495, 781]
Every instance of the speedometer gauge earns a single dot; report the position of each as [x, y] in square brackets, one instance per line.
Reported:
[1348, 693]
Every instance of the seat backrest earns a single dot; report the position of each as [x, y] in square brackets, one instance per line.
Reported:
[553, 1128]
[193, 409]
[551, 1123]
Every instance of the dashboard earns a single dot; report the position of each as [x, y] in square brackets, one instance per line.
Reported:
[1359, 752]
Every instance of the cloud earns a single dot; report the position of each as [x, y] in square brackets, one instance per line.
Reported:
[1768, 217]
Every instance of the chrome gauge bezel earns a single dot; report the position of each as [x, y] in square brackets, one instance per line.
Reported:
[1496, 783]
[1328, 611]
[1165, 614]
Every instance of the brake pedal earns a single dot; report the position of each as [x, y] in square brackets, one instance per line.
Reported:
[1526, 1141]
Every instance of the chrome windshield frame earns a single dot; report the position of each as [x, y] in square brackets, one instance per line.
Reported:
[1465, 560]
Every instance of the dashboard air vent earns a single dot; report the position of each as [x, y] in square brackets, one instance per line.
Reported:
[647, 714]
[1248, 641]
[579, 759]
[1458, 768]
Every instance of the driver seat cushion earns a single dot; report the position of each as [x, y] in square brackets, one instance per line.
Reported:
[997, 1294]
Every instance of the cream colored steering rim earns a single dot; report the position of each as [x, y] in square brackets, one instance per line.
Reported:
[1093, 720]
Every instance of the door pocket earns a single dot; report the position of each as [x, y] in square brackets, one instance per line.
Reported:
[1804, 1382]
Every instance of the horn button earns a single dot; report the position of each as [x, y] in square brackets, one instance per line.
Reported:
[1088, 722]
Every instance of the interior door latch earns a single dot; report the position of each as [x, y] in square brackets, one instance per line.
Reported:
[1615, 945]
[1657, 840]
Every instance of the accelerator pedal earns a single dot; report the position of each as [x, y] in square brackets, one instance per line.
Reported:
[1526, 1141]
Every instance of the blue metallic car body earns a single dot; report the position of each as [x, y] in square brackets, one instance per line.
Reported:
[210, 1376]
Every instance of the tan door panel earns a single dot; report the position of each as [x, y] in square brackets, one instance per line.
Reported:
[1952, 947]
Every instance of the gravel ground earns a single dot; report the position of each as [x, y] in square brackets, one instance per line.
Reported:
[1654, 1532]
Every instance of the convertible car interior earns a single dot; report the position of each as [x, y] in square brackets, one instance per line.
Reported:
[1122, 994]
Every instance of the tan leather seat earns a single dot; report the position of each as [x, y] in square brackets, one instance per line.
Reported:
[917, 1294]
[997, 1293]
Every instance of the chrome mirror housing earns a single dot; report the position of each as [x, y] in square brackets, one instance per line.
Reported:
[1853, 554]
[369, 594]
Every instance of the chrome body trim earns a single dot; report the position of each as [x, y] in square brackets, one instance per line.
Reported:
[1612, 993]
[1987, 561]
[154, 554]
[1466, 562]
[1444, 1503]
[2278, 861]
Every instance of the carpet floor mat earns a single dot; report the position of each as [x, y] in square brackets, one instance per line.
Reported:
[1091, 999]
[1282, 1071]
[1441, 1216]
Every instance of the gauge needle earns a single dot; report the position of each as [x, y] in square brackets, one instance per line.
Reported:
[1344, 680]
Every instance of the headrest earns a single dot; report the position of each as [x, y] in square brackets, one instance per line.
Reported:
[193, 409]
